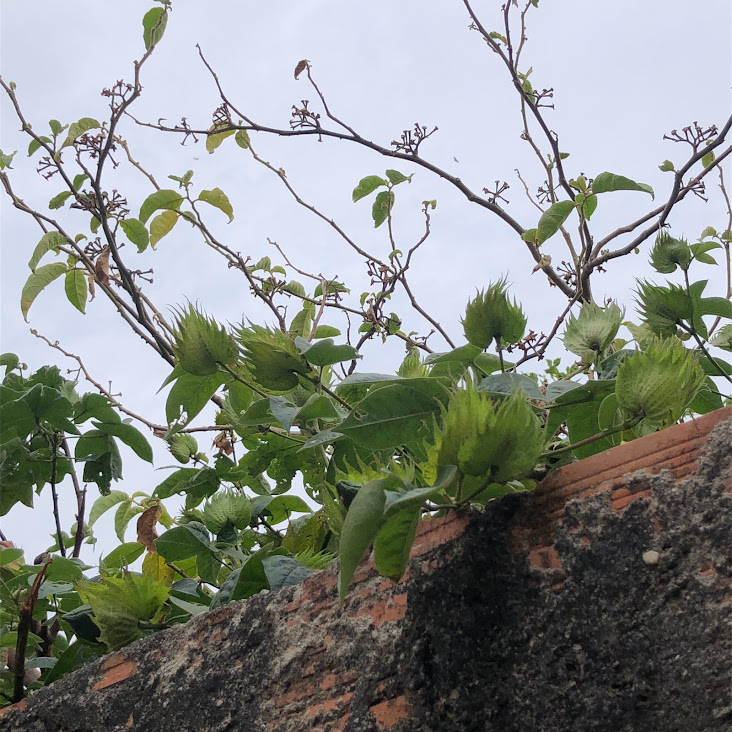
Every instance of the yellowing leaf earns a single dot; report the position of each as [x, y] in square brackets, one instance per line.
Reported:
[219, 199]
[38, 280]
[161, 225]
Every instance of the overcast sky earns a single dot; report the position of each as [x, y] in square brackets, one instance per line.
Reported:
[624, 73]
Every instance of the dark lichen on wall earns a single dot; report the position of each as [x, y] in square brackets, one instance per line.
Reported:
[617, 621]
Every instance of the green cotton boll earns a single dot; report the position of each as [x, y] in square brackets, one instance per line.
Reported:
[201, 343]
[411, 366]
[183, 447]
[592, 331]
[483, 437]
[663, 308]
[491, 316]
[507, 445]
[225, 507]
[655, 385]
[466, 413]
[669, 253]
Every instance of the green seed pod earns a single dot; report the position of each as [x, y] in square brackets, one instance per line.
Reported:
[227, 507]
[593, 330]
[201, 343]
[183, 447]
[491, 317]
[657, 384]
[411, 366]
[485, 438]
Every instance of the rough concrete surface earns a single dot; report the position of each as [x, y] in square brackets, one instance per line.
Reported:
[628, 630]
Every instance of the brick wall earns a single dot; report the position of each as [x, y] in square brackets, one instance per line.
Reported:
[601, 601]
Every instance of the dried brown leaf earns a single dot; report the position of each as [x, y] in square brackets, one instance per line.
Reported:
[101, 267]
[146, 533]
[301, 66]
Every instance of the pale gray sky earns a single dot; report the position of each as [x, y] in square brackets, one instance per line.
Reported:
[624, 73]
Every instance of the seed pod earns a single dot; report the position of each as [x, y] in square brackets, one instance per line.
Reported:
[491, 317]
[227, 507]
[182, 447]
[201, 343]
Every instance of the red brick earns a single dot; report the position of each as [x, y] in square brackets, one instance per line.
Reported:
[545, 557]
[621, 503]
[116, 673]
[391, 711]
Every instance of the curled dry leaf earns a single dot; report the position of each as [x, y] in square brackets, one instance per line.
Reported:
[301, 66]
[146, 533]
[92, 288]
[101, 267]
[223, 444]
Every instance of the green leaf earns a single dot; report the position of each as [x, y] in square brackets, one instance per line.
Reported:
[367, 185]
[552, 219]
[720, 306]
[76, 288]
[51, 241]
[214, 138]
[707, 399]
[509, 382]
[317, 406]
[6, 160]
[247, 580]
[278, 508]
[131, 436]
[416, 497]
[56, 127]
[325, 352]
[123, 555]
[382, 207]
[588, 204]
[35, 145]
[390, 417]
[242, 139]
[162, 199]
[666, 166]
[396, 177]
[606, 182]
[183, 542]
[97, 406]
[364, 519]
[153, 26]
[79, 180]
[161, 226]
[699, 251]
[394, 542]
[190, 394]
[59, 200]
[579, 408]
[9, 555]
[284, 571]
[104, 503]
[531, 236]
[201, 482]
[41, 278]
[326, 331]
[136, 232]
[77, 129]
[122, 517]
[219, 199]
